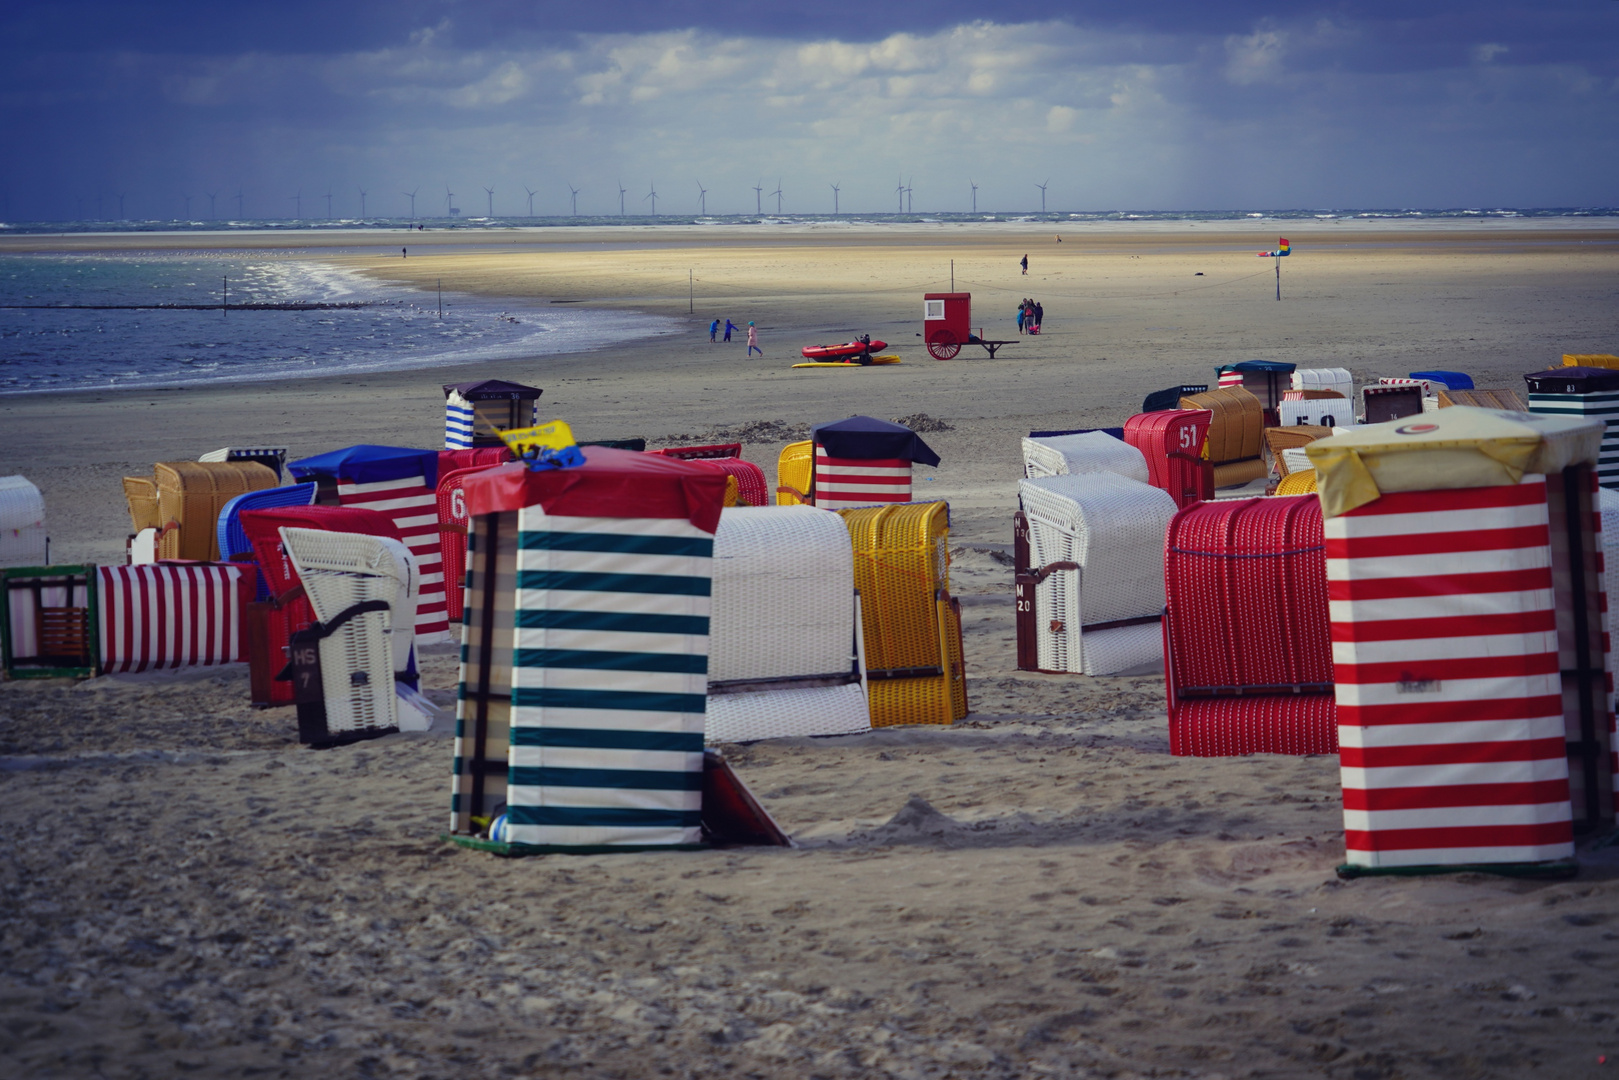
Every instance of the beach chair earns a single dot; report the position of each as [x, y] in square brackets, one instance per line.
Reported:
[286, 610]
[911, 625]
[1170, 398]
[1280, 439]
[863, 461]
[1085, 452]
[452, 524]
[1236, 434]
[190, 495]
[401, 483]
[1444, 380]
[585, 655]
[1190, 478]
[344, 667]
[1316, 412]
[169, 615]
[1509, 400]
[1265, 379]
[1471, 677]
[784, 647]
[140, 492]
[273, 458]
[477, 457]
[1393, 401]
[1162, 433]
[22, 524]
[48, 622]
[751, 489]
[1096, 546]
[1582, 391]
[1602, 360]
[234, 546]
[476, 412]
[1330, 380]
[795, 474]
[1247, 653]
[1300, 481]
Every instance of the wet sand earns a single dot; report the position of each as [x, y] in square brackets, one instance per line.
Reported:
[1038, 890]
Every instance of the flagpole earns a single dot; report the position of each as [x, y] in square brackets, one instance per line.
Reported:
[1276, 260]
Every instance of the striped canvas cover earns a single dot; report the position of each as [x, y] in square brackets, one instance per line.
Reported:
[170, 615]
[1450, 714]
[1601, 405]
[608, 673]
[1230, 378]
[413, 507]
[846, 482]
[469, 422]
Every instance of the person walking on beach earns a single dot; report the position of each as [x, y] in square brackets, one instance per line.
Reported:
[713, 330]
[729, 326]
[404, 253]
[1022, 307]
[753, 340]
[1024, 262]
[1039, 316]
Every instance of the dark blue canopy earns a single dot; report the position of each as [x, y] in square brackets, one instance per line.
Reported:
[1453, 380]
[367, 464]
[1278, 366]
[494, 390]
[868, 437]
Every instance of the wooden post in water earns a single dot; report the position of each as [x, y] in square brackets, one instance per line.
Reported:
[441, 297]
[224, 304]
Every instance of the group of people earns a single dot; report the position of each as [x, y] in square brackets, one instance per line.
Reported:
[730, 327]
[1030, 314]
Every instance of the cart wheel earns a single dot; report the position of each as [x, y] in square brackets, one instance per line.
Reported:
[943, 345]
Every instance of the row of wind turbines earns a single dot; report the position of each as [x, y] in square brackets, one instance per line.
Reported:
[903, 190]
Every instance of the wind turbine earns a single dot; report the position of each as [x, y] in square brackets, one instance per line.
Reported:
[298, 205]
[621, 190]
[530, 201]
[653, 195]
[211, 215]
[188, 206]
[328, 204]
[411, 195]
[777, 194]
[702, 199]
[239, 214]
[758, 198]
[362, 203]
[834, 199]
[1042, 188]
[975, 195]
[910, 207]
[491, 192]
[449, 201]
[573, 193]
[901, 190]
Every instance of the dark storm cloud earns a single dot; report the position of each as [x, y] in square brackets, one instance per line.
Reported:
[1180, 104]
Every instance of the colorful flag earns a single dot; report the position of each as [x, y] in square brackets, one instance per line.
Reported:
[1282, 248]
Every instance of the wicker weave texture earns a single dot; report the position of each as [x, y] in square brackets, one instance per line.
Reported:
[22, 523]
[1237, 425]
[360, 659]
[901, 567]
[1319, 412]
[1510, 400]
[190, 495]
[1088, 452]
[1159, 434]
[1280, 439]
[777, 714]
[1337, 379]
[795, 474]
[140, 492]
[1298, 481]
[1114, 530]
[783, 601]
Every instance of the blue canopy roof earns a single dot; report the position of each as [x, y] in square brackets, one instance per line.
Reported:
[1453, 380]
[367, 464]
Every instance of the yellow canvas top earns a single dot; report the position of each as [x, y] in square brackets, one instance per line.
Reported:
[1458, 447]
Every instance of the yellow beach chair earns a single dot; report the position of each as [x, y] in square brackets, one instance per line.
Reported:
[795, 473]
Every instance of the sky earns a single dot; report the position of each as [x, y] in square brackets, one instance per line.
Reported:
[1113, 105]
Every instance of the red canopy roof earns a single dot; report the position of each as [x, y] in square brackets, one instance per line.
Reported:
[611, 483]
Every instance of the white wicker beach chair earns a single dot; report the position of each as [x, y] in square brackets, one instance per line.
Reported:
[1332, 378]
[1320, 412]
[1296, 460]
[22, 523]
[1099, 614]
[783, 650]
[1089, 452]
[360, 659]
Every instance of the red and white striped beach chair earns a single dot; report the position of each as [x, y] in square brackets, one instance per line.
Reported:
[172, 615]
[863, 461]
[1472, 696]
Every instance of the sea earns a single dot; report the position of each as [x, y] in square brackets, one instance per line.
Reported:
[148, 320]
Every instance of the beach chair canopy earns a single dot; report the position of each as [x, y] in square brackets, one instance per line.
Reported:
[1278, 367]
[611, 483]
[1572, 380]
[1458, 447]
[1453, 380]
[493, 390]
[868, 437]
[368, 464]
[1159, 400]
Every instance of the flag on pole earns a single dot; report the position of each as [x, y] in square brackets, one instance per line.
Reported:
[1282, 248]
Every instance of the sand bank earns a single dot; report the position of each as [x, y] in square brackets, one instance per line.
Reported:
[1040, 890]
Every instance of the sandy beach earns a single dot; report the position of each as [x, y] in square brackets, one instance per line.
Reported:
[1039, 890]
